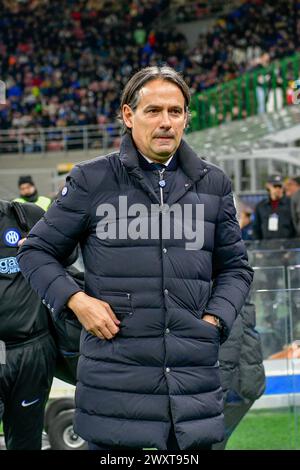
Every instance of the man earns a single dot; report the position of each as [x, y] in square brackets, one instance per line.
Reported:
[273, 217]
[29, 193]
[242, 370]
[148, 375]
[27, 372]
[292, 190]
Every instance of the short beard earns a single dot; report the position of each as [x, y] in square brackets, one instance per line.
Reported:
[32, 198]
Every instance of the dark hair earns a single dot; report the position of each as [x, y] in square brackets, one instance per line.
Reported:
[25, 179]
[296, 179]
[131, 96]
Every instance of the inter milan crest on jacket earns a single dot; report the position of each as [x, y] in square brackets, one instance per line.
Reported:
[11, 236]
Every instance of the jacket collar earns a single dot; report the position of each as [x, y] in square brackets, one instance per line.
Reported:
[282, 201]
[193, 166]
[150, 166]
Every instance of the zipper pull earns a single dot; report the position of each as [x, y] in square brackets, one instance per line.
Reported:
[162, 184]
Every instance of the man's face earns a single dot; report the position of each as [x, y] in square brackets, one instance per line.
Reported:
[26, 189]
[159, 120]
[291, 187]
[275, 190]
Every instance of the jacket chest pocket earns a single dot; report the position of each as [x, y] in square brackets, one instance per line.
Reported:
[120, 303]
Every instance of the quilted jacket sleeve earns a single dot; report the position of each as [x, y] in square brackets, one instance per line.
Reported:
[232, 275]
[52, 240]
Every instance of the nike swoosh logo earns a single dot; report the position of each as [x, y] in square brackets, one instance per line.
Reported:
[25, 403]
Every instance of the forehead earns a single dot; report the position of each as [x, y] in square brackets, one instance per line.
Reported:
[161, 93]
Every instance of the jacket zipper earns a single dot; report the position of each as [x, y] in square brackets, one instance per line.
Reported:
[161, 177]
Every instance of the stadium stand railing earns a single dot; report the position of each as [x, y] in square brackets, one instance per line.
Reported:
[254, 132]
[57, 139]
[267, 89]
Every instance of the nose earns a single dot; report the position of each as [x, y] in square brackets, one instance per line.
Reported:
[165, 122]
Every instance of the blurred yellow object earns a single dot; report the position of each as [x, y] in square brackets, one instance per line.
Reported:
[221, 22]
[63, 168]
[35, 91]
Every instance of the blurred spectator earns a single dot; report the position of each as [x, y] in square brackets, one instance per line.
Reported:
[290, 93]
[291, 186]
[140, 35]
[246, 224]
[29, 193]
[261, 94]
[273, 216]
[275, 95]
[292, 190]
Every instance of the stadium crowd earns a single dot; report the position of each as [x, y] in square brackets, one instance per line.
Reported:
[65, 62]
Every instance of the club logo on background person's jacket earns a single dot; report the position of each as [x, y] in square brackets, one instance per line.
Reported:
[11, 237]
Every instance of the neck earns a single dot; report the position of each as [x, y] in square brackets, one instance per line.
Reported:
[157, 159]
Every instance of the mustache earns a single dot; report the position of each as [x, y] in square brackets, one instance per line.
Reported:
[171, 136]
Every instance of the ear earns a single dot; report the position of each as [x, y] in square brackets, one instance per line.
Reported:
[127, 114]
[186, 119]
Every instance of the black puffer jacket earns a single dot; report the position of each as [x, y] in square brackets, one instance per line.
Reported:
[163, 364]
[241, 359]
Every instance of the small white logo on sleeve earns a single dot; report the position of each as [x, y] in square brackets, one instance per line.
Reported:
[29, 403]
[64, 191]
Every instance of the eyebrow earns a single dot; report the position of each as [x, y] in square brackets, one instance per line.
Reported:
[155, 106]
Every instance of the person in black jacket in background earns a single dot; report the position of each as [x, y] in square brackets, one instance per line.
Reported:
[292, 190]
[242, 370]
[273, 216]
[26, 374]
